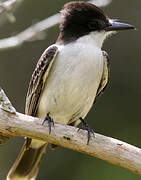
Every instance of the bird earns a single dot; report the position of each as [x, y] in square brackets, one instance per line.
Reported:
[68, 78]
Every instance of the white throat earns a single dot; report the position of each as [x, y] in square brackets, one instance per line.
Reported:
[96, 38]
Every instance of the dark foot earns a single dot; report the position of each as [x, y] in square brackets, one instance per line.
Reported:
[50, 122]
[87, 128]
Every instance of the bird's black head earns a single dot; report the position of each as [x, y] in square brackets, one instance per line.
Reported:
[80, 18]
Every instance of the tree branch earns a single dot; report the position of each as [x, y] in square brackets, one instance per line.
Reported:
[101, 3]
[37, 31]
[6, 10]
[32, 33]
[112, 150]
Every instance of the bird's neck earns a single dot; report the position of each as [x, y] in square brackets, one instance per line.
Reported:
[96, 38]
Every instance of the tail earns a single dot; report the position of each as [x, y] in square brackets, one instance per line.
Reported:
[27, 163]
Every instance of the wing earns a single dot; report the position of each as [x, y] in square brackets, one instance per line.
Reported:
[105, 75]
[39, 75]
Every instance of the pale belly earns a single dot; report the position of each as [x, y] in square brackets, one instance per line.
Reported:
[71, 86]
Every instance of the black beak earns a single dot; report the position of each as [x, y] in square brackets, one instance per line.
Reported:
[116, 26]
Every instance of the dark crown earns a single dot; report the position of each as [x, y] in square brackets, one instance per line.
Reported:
[79, 18]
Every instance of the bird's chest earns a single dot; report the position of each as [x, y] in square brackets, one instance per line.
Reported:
[77, 70]
[73, 81]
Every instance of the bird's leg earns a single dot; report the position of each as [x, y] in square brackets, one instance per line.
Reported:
[87, 128]
[50, 122]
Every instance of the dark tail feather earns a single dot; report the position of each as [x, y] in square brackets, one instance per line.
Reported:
[27, 164]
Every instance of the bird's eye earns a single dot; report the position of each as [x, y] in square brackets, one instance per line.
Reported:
[93, 25]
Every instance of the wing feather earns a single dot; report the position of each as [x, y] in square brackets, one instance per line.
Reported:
[105, 75]
[39, 75]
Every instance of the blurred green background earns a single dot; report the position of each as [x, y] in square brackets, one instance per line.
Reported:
[116, 114]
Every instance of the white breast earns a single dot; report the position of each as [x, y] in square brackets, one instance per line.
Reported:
[73, 81]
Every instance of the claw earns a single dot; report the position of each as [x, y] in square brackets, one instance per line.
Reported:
[88, 129]
[50, 122]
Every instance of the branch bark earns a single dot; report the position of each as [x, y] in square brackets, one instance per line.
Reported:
[109, 149]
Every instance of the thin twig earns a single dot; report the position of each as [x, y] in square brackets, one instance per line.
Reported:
[7, 8]
[101, 3]
[32, 33]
